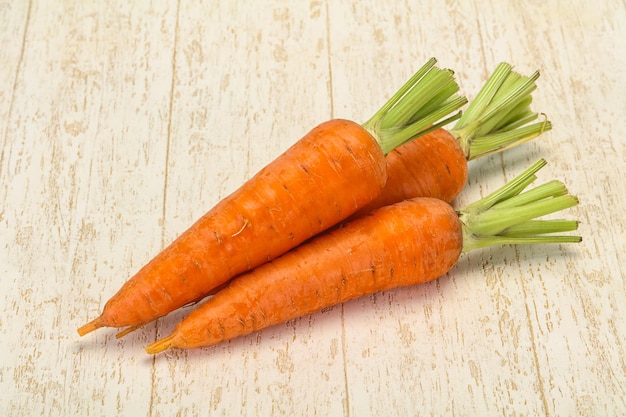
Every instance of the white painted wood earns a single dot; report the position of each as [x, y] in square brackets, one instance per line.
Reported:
[123, 123]
[82, 195]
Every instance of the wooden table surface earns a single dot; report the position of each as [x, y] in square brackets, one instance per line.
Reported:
[123, 122]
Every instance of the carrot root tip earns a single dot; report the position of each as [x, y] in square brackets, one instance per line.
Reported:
[128, 330]
[90, 327]
[161, 345]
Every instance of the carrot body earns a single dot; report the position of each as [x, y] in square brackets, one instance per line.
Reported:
[432, 166]
[298, 195]
[405, 244]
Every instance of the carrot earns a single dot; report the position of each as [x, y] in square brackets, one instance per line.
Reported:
[404, 244]
[436, 165]
[298, 195]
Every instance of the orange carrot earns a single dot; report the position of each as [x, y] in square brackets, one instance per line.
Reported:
[407, 243]
[436, 165]
[296, 196]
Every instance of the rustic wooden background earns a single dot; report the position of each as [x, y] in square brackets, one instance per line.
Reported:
[123, 122]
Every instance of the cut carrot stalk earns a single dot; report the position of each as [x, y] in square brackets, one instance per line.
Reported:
[404, 244]
[497, 119]
[298, 195]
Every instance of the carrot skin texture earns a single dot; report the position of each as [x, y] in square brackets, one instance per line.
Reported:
[298, 195]
[432, 166]
[408, 243]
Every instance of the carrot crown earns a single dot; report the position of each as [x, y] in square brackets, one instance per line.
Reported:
[497, 119]
[417, 108]
[507, 216]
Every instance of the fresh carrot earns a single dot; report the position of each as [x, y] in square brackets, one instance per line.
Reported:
[298, 195]
[404, 244]
[436, 165]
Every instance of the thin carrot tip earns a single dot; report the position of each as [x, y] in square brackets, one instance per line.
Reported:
[129, 330]
[160, 345]
[89, 327]
[126, 331]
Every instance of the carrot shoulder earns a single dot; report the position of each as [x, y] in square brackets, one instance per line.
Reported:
[403, 244]
[298, 195]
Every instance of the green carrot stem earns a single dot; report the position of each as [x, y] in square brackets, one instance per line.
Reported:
[533, 227]
[506, 139]
[429, 96]
[517, 116]
[415, 130]
[496, 220]
[550, 189]
[514, 187]
[485, 96]
[495, 120]
[507, 216]
[479, 242]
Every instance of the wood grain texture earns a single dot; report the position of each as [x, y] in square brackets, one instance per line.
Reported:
[123, 123]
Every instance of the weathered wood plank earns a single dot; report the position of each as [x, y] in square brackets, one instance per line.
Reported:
[83, 179]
